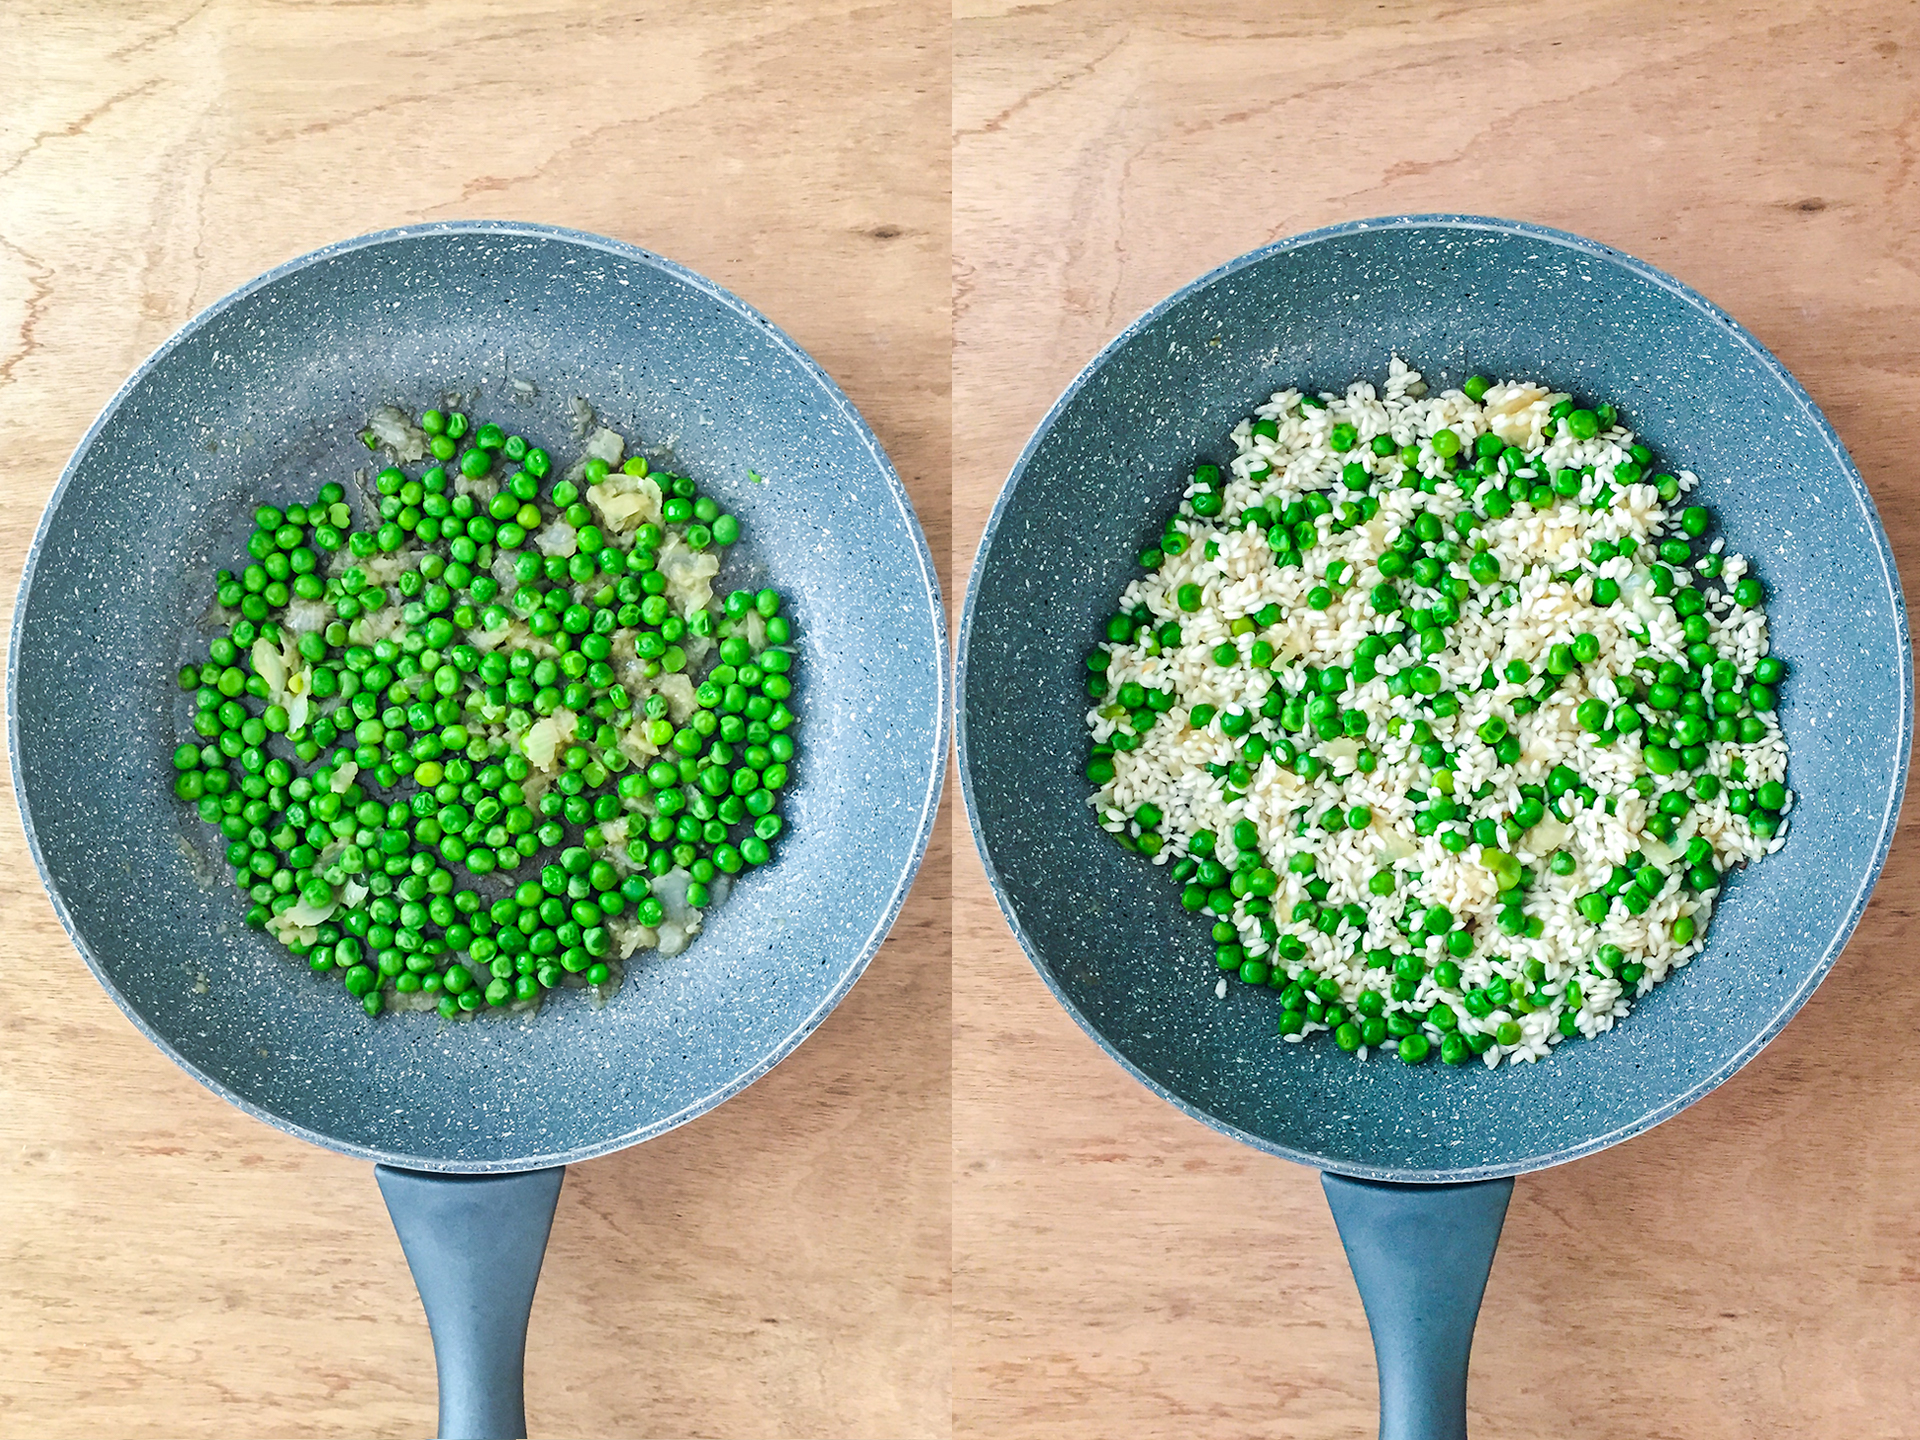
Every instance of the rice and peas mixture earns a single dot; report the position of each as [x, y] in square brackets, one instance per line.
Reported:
[1447, 711]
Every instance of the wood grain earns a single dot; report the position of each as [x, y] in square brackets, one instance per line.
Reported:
[170, 1267]
[1751, 1267]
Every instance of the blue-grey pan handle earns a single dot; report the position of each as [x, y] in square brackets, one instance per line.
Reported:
[1420, 1255]
[474, 1244]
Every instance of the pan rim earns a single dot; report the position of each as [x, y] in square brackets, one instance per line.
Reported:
[923, 557]
[1896, 792]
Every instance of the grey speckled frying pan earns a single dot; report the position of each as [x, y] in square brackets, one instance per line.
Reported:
[261, 399]
[1453, 295]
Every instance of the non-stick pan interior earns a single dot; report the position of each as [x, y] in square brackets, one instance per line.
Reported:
[1453, 297]
[263, 400]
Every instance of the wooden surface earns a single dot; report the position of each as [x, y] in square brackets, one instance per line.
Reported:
[1751, 1267]
[780, 1267]
[170, 1267]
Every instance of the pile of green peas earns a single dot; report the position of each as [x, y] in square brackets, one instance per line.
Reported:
[408, 776]
[1423, 580]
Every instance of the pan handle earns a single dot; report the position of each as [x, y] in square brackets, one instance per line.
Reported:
[1420, 1255]
[474, 1244]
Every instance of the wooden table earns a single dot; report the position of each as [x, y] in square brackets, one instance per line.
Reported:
[170, 1267]
[1752, 1267]
[781, 1266]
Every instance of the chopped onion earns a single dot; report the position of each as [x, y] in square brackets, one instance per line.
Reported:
[1549, 835]
[540, 743]
[399, 434]
[607, 445]
[678, 688]
[268, 665]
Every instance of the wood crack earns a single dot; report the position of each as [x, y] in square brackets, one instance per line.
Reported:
[78, 127]
[1079, 72]
[40, 290]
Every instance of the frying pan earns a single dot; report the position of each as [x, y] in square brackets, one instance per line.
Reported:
[261, 399]
[1418, 1162]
